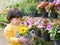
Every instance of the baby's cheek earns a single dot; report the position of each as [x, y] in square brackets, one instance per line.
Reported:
[18, 22]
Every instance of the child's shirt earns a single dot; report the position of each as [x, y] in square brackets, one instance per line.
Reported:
[10, 34]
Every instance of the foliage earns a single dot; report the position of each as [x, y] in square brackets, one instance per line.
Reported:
[3, 18]
[26, 6]
[55, 31]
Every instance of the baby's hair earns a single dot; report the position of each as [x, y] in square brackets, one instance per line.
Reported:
[14, 13]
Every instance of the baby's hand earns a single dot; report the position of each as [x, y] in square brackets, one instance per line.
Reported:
[23, 40]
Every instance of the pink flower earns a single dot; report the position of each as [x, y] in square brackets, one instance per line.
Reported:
[40, 26]
[36, 22]
[49, 27]
[28, 23]
[42, 2]
[56, 2]
[28, 17]
[25, 23]
[46, 7]
[58, 7]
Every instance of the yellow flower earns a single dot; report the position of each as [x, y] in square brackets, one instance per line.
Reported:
[23, 29]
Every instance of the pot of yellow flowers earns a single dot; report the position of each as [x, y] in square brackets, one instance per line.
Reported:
[25, 33]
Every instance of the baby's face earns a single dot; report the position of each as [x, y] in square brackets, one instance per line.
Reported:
[16, 21]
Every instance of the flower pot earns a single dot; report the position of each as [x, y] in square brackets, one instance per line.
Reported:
[38, 33]
[28, 37]
[35, 14]
[45, 14]
[40, 15]
[50, 0]
[53, 15]
[46, 36]
[57, 42]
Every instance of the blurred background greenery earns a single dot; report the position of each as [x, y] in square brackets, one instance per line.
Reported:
[26, 6]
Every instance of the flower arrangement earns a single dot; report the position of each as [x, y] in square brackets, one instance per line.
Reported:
[45, 25]
[37, 24]
[25, 33]
[33, 25]
[45, 29]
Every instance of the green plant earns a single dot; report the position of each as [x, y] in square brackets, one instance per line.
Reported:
[55, 31]
[31, 8]
[3, 18]
[26, 6]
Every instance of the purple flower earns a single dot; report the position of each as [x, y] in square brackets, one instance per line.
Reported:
[28, 23]
[46, 7]
[56, 2]
[49, 27]
[28, 17]
[42, 2]
[25, 23]
[40, 26]
[58, 7]
[29, 20]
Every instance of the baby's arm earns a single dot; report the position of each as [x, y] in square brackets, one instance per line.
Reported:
[9, 34]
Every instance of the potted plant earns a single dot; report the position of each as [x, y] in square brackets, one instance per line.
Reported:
[52, 9]
[45, 27]
[55, 33]
[42, 9]
[34, 29]
[33, 23]
[45, 32]
[24, 32]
